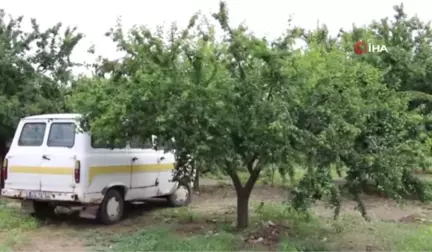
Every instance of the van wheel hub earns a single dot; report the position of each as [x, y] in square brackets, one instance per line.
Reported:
[182, 194]
[113, 207]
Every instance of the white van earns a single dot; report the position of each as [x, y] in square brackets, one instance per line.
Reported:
[51, 164]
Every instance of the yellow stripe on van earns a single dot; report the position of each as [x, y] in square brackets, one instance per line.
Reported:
[152, 168]
[104, 170]
[41, 170]
[93, 171]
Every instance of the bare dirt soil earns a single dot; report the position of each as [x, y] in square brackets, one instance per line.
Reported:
[66, 234]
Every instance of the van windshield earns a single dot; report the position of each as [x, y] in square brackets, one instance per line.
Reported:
[32, 134]
[61, 135]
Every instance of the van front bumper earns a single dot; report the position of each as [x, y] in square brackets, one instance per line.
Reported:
[39, 195]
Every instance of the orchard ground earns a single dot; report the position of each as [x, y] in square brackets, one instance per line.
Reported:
[208, 225]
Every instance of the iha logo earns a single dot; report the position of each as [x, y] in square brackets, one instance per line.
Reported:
[361, 47]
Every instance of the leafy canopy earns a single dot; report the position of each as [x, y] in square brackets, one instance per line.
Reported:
[242, 102]
[35, 68]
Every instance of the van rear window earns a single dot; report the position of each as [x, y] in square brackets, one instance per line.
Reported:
[61, 135]
[137, 143]
[32, 134]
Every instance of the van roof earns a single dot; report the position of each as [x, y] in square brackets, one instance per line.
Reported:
[53, 116]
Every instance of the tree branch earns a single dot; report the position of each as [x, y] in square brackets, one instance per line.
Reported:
[234, 176]
[252, 179]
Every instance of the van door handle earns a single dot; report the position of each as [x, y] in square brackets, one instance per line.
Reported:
[134, 159]
[45, 157]
[160, 159]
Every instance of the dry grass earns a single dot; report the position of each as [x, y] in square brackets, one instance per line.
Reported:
[208, 225]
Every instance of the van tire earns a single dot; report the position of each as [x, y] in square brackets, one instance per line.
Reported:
[173, 200]
[43, 210]
[112, 208]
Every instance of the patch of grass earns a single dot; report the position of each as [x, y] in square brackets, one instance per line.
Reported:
[354, 233]
[11, 239]
[11, 218]
[182, 229]
[350, 232]
[13, 225]
[97, 240]
[162, 239]
[407, 237]
[288, 246]
[278, 227]
[183, 214]
[304, 231]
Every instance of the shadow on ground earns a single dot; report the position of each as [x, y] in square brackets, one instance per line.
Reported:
[132, 211]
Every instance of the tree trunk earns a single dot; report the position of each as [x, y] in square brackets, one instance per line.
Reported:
[196, 179]
[243, 192]
[242, 209]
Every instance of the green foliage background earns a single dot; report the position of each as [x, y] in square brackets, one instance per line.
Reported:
[238, 102]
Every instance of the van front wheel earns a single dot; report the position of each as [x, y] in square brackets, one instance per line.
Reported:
[182, 196]
[112, 208]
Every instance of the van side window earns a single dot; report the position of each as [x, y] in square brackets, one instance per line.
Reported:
[106, 145]
[138, 144]
[62, 135]
[32, 134]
